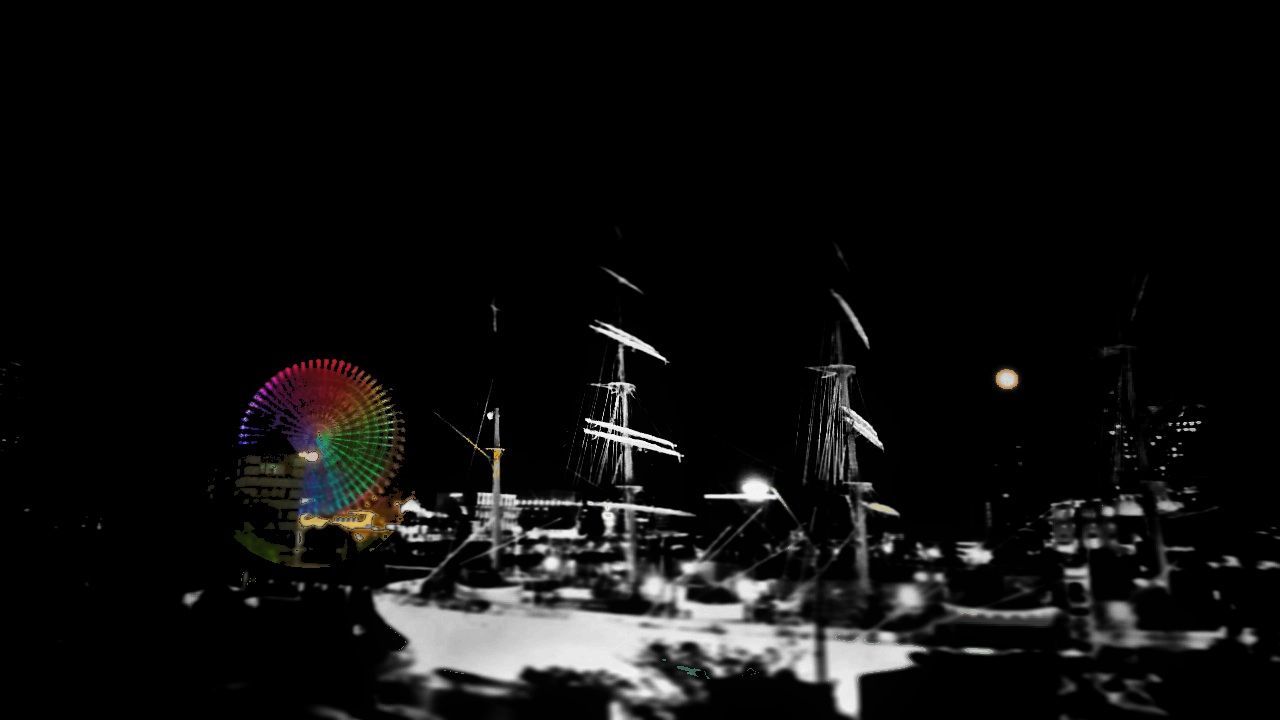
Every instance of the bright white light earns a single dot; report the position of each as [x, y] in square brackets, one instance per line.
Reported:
[747, 590]
[652, 587]
[978, 556]
[309, 456]
[488, 415]
[551, 563]
[756, 489]
[1007, 379]
[688, 568]
[909, 596]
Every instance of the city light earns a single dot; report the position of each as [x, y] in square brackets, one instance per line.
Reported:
[756, 490]
[978, 556]
[748, 590]
[909, 596]
[1006, 379]
[653, 586]
[309, 456]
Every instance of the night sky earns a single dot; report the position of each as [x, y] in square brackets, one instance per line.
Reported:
[157, 292]
[160, 365]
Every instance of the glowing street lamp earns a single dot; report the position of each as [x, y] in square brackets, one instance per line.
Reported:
[756, 490]
[1006, 379]
[752, 490]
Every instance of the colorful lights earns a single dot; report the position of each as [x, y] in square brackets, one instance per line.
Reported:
[337, 419]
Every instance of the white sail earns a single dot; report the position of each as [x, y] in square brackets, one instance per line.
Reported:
[853, 319]
[881, 508]
[861, 426]
[629, 431]
[621, 280]
[840, 256]
[641, 508]
[633, 442]
[627, 339]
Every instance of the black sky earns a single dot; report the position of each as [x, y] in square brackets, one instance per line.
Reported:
[153, 291]
[163, 365]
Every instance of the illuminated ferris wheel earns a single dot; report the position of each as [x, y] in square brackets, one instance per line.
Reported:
[341, 421]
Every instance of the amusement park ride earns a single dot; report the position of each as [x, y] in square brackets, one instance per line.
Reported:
[350, 438]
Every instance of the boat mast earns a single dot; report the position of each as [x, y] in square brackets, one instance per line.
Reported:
[628, 488]
[844, 405]
[496, 500]
[843, 473]
[496, 538]
[852, 479]
[624, 341]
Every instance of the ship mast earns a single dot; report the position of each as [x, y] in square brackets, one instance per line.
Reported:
[628, 473]
[852, 480]
[836, 423]
[622, 434]
[496, 499]
[496, 538]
